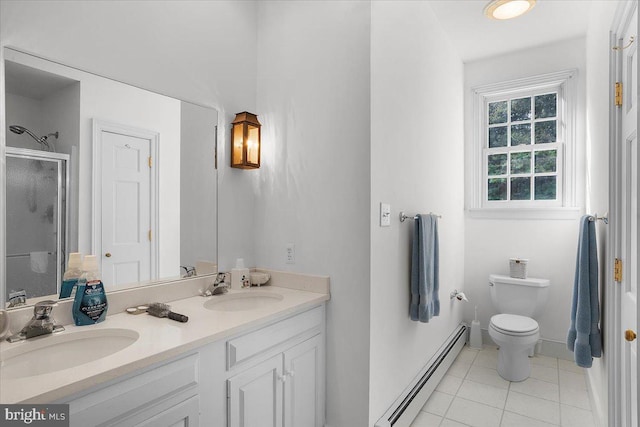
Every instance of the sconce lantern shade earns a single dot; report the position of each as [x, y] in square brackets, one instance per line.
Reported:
[245, 141]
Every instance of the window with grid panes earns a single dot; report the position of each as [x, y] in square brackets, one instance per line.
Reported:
[524, 143]
[522, 148]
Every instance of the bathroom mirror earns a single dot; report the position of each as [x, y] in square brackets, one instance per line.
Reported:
[101, 167]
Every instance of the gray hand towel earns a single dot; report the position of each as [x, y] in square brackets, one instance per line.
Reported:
[425, 300]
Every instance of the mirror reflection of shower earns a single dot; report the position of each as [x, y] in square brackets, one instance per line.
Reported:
[36, 223]
[43, 140]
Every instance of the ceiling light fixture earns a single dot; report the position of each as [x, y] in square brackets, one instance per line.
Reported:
[507, 9]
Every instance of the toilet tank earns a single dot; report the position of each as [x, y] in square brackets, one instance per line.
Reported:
[526, 297]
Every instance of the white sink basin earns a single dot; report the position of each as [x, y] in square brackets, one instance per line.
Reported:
[56, 352]
[248, 300]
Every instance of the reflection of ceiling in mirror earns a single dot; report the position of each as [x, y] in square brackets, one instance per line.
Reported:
[46, 97]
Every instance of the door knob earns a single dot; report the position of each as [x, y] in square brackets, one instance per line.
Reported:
[108, 254]
[629, 335]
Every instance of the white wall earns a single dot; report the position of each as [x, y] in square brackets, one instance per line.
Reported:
[313, 186]
[62, 115]
[417, 161]
[25, 112]
[197, 172]
[204, 52]
[597, 137]
[550, 245]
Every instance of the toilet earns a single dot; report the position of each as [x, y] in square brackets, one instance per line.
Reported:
[514, 330]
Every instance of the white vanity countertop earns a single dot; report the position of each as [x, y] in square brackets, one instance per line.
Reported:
[160, 339]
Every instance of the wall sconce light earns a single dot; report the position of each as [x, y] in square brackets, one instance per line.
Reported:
[245, 141]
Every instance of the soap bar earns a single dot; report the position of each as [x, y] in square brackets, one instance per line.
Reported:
[138, 310]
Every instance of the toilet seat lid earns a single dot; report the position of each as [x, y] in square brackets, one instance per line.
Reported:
[514, 324]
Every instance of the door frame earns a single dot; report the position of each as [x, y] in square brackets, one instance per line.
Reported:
[613, 292]
[99, 126]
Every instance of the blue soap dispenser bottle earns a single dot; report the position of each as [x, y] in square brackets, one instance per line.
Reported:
[71, 276]
[90, 302]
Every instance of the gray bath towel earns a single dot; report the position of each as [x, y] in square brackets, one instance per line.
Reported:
[584, 337]
[425, 301]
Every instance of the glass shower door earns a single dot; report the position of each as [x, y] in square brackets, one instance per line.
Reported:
[36, 218]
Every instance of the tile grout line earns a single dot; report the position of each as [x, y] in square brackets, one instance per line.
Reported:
[444, 416]
[531, 418]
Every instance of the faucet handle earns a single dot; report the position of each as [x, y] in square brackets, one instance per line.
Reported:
[42, 309]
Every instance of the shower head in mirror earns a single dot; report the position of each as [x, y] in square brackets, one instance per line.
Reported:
[43, 140]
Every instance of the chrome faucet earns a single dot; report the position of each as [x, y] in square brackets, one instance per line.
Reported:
[41, 324]
[219, 286]
[189, 270]
[17, 298]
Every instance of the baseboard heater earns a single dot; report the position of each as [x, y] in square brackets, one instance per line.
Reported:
[405, 409]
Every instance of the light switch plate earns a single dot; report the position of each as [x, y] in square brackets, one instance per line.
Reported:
[385, 215]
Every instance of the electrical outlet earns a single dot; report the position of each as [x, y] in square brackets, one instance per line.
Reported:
[290, 253]
[385, 215]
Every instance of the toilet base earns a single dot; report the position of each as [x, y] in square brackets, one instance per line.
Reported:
[514, 365]
[513, 353]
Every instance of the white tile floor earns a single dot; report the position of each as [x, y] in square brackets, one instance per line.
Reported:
[473, 394]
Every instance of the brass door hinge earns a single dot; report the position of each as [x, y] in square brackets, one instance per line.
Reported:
[618, 94]
[617, 270]
[149, 235]
[150, 161]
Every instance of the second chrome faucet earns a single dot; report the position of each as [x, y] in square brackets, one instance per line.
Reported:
[42, 323]
[219, 286]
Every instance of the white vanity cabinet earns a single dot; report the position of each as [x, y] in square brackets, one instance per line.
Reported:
[271, 375]
[164, 396]
[285, 385]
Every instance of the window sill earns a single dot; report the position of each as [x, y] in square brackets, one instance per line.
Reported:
[567, 213]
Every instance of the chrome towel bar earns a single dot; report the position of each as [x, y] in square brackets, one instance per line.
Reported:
[25, 255]
[604, 218]
[403, 216]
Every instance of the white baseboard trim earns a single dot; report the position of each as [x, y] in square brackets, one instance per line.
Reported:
[600, 416]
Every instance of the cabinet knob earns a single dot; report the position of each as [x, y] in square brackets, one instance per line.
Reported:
[290, 373]
[282, 378]
[629, 335]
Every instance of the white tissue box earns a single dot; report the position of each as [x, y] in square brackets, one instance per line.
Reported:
[518, 268]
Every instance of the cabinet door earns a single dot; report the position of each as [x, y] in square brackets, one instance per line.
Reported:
[255, 395]
[184, 414]
[303, 373]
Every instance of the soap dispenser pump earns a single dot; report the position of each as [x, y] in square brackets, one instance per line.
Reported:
[240, 275]
[71, 276]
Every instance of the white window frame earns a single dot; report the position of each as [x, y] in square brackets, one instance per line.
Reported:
[564, 83]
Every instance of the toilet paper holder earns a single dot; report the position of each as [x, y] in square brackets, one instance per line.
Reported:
[460, 296]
